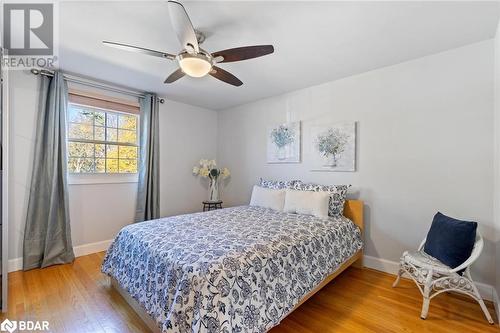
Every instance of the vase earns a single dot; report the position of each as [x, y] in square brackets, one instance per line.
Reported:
[213, 190]
[281, 153]
[332, 163]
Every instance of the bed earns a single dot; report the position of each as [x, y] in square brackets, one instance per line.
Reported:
[230, 270]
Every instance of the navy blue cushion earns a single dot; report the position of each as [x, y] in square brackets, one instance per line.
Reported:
[450, 240]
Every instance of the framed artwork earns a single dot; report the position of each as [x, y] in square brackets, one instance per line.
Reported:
[333, 147]
[283, 143]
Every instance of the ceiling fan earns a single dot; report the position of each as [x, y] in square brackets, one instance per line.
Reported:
[193, 60]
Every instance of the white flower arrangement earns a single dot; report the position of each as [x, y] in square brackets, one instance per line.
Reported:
[208, 169]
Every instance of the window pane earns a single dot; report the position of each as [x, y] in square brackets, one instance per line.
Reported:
[80, 115]
[128, 166]
[80, 165]
[99, 133]
[128, 122]
[100, 165]
[72, 165]
[127, 136]
[112, 151]
[111, 165]
[128, 152]
[100, 118]
[73, 114]
[100, 151]
[111, 120]
[112, 135]
[76, 149]
[79, 131]
[93, 124]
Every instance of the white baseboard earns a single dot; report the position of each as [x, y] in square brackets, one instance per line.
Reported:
[487, 291]
[80, 250]
[496, 301]
[15, 264]
[83, 250]
[380, 264]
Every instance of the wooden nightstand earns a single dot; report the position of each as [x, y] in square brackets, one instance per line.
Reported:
[212, 205]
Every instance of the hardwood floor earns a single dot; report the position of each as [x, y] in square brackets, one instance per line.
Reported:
[78, 298]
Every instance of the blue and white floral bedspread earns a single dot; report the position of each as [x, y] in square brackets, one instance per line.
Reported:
[240, 269]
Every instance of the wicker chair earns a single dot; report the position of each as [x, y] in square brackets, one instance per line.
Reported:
[435, 277]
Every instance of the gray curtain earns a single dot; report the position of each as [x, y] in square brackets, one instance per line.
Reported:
[148, 193]
[47, 234]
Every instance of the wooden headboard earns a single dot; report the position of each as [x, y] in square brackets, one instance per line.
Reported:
[353, 210]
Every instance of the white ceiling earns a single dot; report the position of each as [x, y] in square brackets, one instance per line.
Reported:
[314, 42]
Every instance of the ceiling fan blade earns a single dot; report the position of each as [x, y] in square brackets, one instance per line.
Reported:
[138, 49]
[175, 76]
[243, 53]
[225, 76]
[182, 26]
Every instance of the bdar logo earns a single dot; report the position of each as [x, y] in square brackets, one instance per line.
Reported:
[9, 326]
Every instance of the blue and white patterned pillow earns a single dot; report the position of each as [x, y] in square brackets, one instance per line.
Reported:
[337, 195]
[278, 184]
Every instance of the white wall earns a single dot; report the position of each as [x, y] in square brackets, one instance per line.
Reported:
[425, 142]
[496, 198]
[99, 211]
[187, 133]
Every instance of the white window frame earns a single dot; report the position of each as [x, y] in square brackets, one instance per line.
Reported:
[104, 177]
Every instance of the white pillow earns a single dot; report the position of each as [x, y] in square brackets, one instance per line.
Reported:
[307, 202]
[268, 198]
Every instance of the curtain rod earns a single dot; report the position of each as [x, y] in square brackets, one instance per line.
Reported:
[86, 82]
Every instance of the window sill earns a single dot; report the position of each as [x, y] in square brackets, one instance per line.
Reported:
[87, 179]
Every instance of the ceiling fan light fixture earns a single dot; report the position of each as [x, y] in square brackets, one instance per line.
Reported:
[195, 65]
[194, 61]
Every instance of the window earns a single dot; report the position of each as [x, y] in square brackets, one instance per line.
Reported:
[101, 140]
